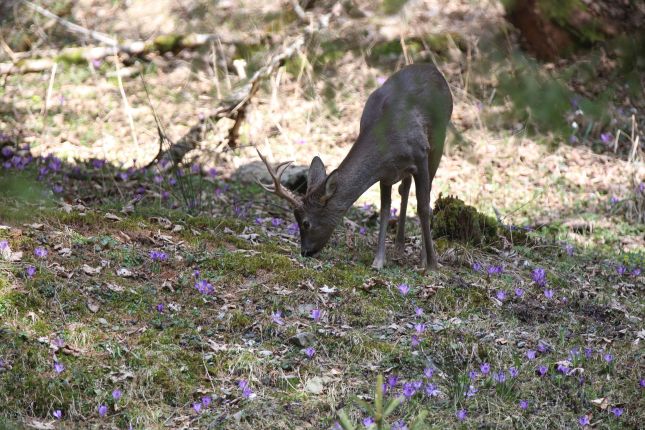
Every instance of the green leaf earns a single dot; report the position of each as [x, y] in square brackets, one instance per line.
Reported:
[391, 406]
[420, 421]
[345, 423]
[363, 404]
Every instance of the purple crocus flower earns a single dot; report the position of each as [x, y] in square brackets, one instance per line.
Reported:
[539, 276]
[404, 289]
[418, 311]
[392, 380]
[172, 181]
[206, 401]
[158, 255]
[293, 229]
[102, 410]
[157, 179]
[563, 368]
[636, 272]
[40, 252]
[362, 231]
[477, 267]
[58, 414]
[568, 248]
[310, 352]
[4, 245]
[160, 307]
[461, 414]
[471, 391]
[116, 394]
[499, 377]
[524, 404]
[542, 370]
[276, 222]
[415, 340]
[367, 422]
[501, 295]
[7, 151]
[197, 407]
[584, 420]
[316, 314]
[277, 317]
[513, 372]
[621, 270]
[472, 375]
[432, 390]
[548, 293]
[494, 270]
[519, 292]
[399, 425]
[212, 172]
[246, 390]
[485, 368]
[97, 164]
[31, 271]
[642, 383]
[204, 287]
[409, 390]
[381, 80]
[428, 372]
[58, 367]
[419, 328]
[617, 411]
[608, 358]
[606, 138]
[542, 347]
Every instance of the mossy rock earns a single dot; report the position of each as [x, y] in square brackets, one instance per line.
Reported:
[455, 220]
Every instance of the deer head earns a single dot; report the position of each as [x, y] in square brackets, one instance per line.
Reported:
[315, 215]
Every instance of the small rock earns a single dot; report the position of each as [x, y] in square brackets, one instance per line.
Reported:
[102, 321]
[302, 339]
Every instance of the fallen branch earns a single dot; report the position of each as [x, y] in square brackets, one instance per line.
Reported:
[233, 108]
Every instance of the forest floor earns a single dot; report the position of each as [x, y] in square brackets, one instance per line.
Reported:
[120, 306]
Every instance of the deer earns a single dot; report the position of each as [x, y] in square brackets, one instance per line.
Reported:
[401, 137]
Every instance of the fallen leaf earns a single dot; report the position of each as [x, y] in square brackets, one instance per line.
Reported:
[328, 290]
[92, 306]
[114, 287]
[501, 341]
[124, 273]
[91, 271]
[112, 217]
[601, 403]
[314, 385]
[40, 425]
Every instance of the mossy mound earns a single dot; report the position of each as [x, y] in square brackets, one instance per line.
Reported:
[455, 220]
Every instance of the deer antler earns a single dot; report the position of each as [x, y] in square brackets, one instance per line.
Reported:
[277, 188]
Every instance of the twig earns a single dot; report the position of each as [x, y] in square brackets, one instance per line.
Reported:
[75, 28]
[126, 106]
[50, 87]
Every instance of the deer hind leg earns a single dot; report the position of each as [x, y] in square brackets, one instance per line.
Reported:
[423, 183]
[404, 191]
[386, 202]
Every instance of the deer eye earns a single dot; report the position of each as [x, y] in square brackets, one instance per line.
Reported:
[306, 225]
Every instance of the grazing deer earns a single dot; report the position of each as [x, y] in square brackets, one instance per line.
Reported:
[401, 137]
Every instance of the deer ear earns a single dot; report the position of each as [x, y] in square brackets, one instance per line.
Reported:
[316, 174]
[331, 183]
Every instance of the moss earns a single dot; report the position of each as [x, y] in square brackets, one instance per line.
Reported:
[72, 56]
[167, 43]
[457, 221]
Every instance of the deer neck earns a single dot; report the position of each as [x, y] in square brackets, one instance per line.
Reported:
[356, 174]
